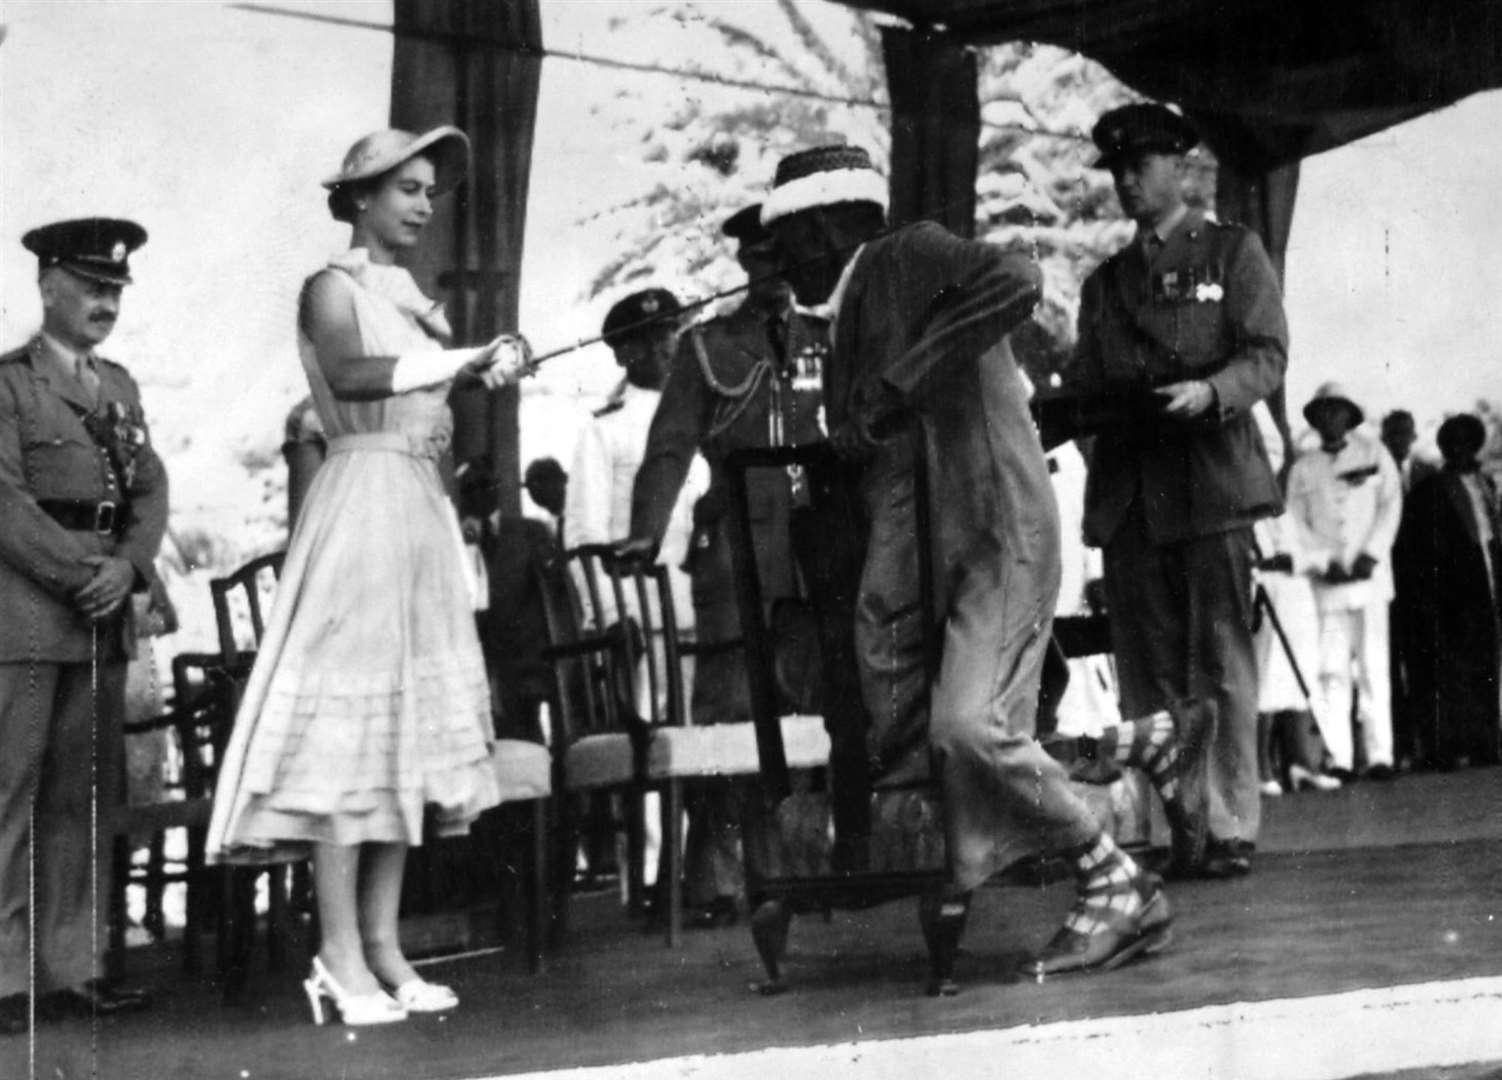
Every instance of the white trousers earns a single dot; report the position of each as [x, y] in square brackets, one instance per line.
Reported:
[1354, 664]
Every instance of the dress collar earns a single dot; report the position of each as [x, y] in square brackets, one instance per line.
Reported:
[396, 284]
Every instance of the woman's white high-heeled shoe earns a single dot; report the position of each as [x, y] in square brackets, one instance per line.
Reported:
[421, 996]
[357, 1010]
[1300, 778]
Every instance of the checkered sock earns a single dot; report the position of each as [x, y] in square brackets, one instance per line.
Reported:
[1147, 744]
[1108, 892]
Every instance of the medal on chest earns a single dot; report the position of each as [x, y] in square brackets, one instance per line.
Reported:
[808, 368]
[1189, 285]
[120, 431]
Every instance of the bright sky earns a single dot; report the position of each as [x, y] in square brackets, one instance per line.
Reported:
[213, 126]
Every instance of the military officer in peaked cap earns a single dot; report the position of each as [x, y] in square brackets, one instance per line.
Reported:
[752, 377]
[1191, 312]
[83, 506]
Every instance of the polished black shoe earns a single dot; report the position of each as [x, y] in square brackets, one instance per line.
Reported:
[15, 1014]
[1381, 772]
[96, 998]
[1227, 859]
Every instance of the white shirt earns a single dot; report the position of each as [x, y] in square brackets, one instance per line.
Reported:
[598, 507]
[1348, 504]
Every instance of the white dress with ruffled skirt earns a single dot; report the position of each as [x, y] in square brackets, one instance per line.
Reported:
[368, 699]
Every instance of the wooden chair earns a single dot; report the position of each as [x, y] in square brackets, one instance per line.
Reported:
[246, 594]
[850, 846]
[625, 723]
[853, 846]
[253, 584]
[194, 724]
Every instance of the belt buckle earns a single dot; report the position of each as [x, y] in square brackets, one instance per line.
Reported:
[104, 518]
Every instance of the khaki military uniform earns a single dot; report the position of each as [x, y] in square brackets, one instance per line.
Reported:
[65, 494]
[747, 379]
[1172, 502]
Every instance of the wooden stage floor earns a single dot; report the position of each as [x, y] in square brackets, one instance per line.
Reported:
[1373, 914]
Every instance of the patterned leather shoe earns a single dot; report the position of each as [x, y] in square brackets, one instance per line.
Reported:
[1107, 929]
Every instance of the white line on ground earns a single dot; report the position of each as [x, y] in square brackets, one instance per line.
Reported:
[1328, 1037]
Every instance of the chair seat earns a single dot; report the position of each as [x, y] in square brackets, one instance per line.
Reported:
[907, 834]
[523, 769]
[135, 819]
[689, 752]
[730, 749]
[907, 831]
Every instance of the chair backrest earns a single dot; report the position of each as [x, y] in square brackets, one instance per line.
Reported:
[254, 583]
[637, 599]
[203, 693]
[583, 664]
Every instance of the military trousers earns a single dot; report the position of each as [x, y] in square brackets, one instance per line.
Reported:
[1004, 798]
[1181, 627]
[60, 779]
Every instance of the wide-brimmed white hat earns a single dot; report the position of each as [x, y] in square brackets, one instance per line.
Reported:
[381, 151]
[823, 176]
[1334, 391]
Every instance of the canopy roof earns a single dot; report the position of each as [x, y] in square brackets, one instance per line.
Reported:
[1275, 80]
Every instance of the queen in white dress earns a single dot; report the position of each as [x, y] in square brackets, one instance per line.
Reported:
[368, 700]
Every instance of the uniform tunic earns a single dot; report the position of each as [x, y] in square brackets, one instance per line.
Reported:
[1171, 502]
[921, 329]
[59, 734]
[750, 378]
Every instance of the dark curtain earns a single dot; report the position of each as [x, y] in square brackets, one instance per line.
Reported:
[1262, 201]
[476, 64]
[1298, 78]
[935, 128]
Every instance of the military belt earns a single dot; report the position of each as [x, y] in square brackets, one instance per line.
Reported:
[84, 515]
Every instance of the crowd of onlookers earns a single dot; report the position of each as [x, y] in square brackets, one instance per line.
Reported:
[1377, 638]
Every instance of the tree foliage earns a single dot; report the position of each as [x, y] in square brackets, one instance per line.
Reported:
[714, 150]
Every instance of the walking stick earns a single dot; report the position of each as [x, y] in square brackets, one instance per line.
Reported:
[1264, 603]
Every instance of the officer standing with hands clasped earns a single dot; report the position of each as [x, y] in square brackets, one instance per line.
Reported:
[83, 507]
[1190, 313]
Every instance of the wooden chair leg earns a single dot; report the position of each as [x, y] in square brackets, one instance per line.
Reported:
[564, 852]
[195, 880]
[635, 869]
[305, 902]
[155, 920]
[119, 882]
[537, 886]
[276, 917]
[237, 929]
[671, 889]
